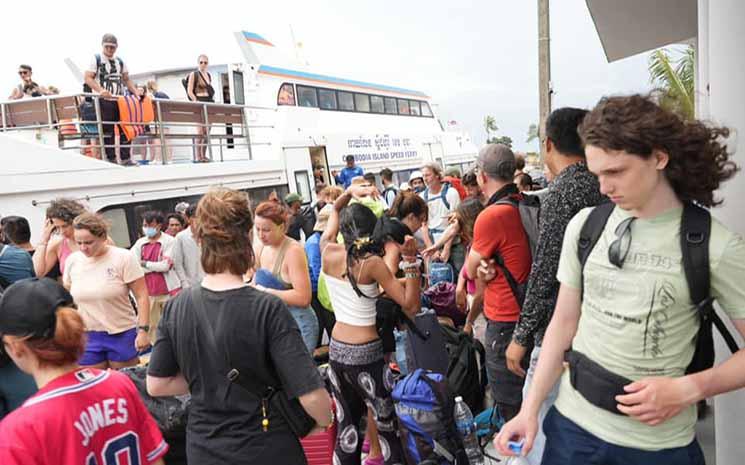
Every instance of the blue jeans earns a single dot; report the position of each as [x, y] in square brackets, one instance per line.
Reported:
[308, 323]
[568, 444]
[15, 387]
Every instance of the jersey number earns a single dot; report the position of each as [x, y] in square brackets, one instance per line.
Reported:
[114, 450]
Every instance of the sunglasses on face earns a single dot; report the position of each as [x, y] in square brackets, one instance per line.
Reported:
[620, 247]
[23, 73]
[203, 62]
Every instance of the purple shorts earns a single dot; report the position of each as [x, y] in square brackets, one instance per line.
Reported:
[103, 347]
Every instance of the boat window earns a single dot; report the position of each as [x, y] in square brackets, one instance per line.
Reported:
[307, 97]
[376, 104]
[426, 111]
[390, 106]
[346, 101]
[414, 108]
[119, 230]
[362, 102]
[302, 185]
[403, 107]
[327, 99]
[286, 94]
[240, 95]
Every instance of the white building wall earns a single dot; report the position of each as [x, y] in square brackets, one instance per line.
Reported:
[721, 31]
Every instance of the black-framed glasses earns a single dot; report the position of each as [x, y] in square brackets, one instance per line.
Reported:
[620, 247]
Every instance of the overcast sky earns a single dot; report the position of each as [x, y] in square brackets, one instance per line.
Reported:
[474, 58]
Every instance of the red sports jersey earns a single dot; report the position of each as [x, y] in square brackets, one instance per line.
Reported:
[87, 417]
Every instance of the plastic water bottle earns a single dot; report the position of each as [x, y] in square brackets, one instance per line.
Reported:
[517, 448]
[467, 430]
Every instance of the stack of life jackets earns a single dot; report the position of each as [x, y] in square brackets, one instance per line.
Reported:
[132, 109]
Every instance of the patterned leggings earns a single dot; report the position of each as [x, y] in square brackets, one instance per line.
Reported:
[360, 378]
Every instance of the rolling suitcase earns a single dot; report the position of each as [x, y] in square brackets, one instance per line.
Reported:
[426, 347]
[319, 447]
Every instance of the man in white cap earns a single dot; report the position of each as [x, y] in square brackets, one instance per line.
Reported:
[416, 181]
[108, 76]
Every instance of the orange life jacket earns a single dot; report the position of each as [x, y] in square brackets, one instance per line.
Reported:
[134, 110]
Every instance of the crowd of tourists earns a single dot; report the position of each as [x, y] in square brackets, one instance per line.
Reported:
[592, 299]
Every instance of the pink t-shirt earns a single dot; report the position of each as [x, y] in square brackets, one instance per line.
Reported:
[100, 287]
[156, 282]
[470, 283]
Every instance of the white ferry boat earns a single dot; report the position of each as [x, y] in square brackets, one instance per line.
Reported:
[273, 127]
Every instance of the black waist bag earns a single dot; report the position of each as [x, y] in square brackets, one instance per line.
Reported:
[596, 384]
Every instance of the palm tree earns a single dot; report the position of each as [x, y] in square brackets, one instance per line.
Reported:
[674, 78]
[490, 125]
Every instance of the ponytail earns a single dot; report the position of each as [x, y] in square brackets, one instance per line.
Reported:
[67, 344]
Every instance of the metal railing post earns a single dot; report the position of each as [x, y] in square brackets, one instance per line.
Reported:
[207, 130]
[246, 134]
[99, 124]
[49, 113]
[163, 148]
[4, 116]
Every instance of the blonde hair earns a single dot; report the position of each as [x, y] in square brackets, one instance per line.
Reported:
[152, 85]
[93, 223]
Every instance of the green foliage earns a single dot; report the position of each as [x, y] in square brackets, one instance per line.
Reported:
[504, 140]
[490, 125]
[673, 74]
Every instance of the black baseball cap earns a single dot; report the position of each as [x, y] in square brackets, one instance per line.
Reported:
[28, 307]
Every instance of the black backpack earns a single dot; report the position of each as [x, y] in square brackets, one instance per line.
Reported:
[466, 367]
[695, 229]
[102, 73]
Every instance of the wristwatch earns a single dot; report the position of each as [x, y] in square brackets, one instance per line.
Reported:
[145, 328]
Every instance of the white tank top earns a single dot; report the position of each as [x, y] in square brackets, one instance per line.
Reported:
[349, 308]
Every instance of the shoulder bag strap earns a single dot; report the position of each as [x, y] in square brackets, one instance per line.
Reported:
[232, 374]
[695, 232]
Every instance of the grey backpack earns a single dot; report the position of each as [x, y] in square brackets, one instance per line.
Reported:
[529, 207]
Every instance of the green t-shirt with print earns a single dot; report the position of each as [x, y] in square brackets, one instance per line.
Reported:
[639, 321]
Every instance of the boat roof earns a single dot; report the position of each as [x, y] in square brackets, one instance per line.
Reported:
[332, 80]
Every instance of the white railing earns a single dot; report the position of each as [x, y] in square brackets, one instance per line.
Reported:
[178, 131]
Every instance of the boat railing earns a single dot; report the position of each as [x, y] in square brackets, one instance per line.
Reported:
[178, 132]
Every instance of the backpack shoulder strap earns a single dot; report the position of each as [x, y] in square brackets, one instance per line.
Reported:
[695, 229]
[695, 232]
[592, 229]
[444, 194]
[590, 233]
[426, 194]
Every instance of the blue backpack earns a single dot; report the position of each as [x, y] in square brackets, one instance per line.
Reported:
[424, 407]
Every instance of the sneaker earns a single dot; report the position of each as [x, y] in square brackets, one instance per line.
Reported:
[375, 461]
[366, 446]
